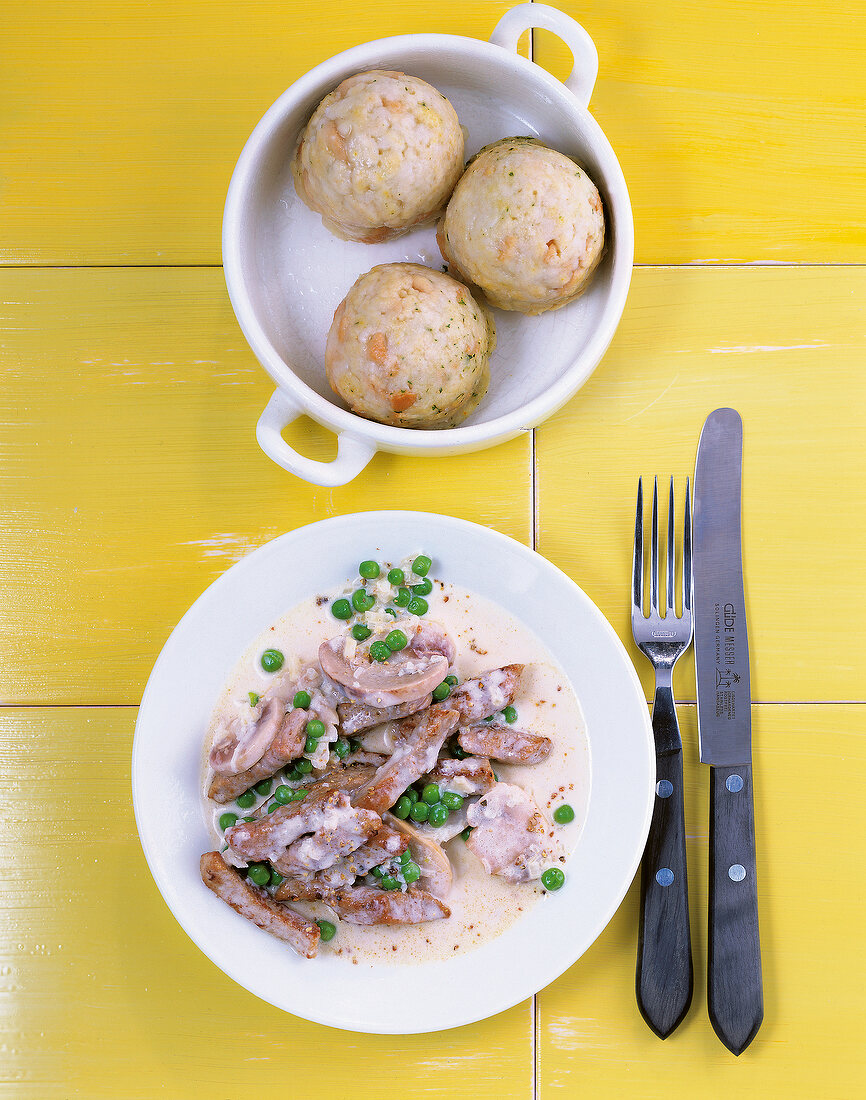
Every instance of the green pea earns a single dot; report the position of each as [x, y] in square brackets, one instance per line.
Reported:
[552, 879]
[406, 857]
[264, 787]
[396, 576]
[254, 698]
[272, 660]
[466, 832]
[284, 794]
[489, 718]
[273, 806]
[460, 753]
[301, 700]
[361, 601]
[509, 714]
[300, 794]
[403, 597]
[452, 680]
[411, 794]
[423, 588]
[377, 872]
[259, 873]
[430, 794]
[341, 748]
[411, 873]
[327, 929]
[438, 814]
[402, 807]
[452, 800]
[249, 819]
[396, 641]
[227, 820]
[563, 814]
[310, 746]
[417, 606]
[379, 651]
[315, 728]
[354, 745]
[421, 565]
[341, 609]
[246, 799]
[442, 691]
[361, 632]
[369, 570]
[304, 767]
[390, 611]
[419, 811]
[388, 882]
[276, 878]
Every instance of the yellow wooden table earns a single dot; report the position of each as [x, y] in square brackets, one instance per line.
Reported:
[130, 479]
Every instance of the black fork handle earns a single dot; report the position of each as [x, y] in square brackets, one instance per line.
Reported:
[664, 979]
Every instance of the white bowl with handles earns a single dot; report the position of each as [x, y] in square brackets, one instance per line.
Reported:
[286, 273]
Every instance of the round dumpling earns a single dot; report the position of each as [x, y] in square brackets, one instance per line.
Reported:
[410, 346]
[380, 155]
[525, 224]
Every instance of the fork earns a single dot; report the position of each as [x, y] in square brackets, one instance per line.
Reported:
[664, 955]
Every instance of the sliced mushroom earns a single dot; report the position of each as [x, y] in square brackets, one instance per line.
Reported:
[436, 873]
[408, 675]
[287, 745]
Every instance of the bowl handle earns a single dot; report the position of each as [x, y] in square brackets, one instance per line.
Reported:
[353, 454]
[581, 79]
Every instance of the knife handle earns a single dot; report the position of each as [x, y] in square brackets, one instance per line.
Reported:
[664, 976]
[735, 995]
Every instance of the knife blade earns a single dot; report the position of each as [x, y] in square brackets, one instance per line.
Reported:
[735, 989]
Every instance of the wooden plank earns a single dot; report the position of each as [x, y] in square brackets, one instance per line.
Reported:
[103, 995]
[121, 123]
[784, 346]
[131, 477]
[591, 1037]
[738, 125]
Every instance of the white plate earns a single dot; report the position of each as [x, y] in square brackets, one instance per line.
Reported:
[198, 658]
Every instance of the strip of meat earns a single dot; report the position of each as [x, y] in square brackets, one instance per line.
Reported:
[422, 736]
[509, 834]
[299, 933]
[490, 693]
[500, 742]
[384, 845]
[355, 717]
[338, 828]
[473, 775]
[372, 905]
[287, 745]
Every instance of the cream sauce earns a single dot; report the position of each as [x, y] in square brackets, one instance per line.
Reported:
[487, 636]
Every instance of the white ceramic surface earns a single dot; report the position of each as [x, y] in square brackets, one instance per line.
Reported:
[286, 273]
[190, 673]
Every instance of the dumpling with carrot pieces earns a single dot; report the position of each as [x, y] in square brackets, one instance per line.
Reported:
[380, 154]
[410, 346]
[525, 224]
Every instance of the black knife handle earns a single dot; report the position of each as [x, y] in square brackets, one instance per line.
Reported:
[735, 995]
[664, 953]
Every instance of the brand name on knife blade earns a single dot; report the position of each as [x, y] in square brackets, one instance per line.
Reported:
[725, 624]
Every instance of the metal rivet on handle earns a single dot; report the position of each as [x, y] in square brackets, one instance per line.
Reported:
[664, 788]
[734, 783]
[737, 873]
[665, 876]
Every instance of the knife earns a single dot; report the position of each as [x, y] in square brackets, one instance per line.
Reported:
[734, 990]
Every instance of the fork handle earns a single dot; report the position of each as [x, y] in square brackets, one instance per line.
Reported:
[664, 979]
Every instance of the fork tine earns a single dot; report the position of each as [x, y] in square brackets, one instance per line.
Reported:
[654, 553]
[687, 554]
[637, 566]
[670, 598]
